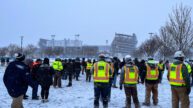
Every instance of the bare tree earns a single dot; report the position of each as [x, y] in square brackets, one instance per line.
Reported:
[3, 51]
[12, 49]
[179, 29]
[167, 47]
[150, 46]
[30, 50]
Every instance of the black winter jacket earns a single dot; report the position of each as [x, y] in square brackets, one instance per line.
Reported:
[44, 75]
[16, 78]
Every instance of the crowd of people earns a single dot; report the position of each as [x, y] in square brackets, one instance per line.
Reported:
[24, 72]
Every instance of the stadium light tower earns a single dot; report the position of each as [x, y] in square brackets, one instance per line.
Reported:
[22, 43]
[53, 37]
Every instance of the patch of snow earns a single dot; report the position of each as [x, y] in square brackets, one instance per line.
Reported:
[81, 95]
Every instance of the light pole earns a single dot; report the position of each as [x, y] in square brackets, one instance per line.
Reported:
[22, 43]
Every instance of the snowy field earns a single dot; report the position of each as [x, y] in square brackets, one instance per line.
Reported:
[81, 95]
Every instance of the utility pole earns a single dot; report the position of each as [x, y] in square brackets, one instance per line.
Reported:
[107, 46]
[22, 43]
[76, 44]
[52, 36]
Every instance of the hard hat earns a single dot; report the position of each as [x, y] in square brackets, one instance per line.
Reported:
[101, 56]
[127, 58]
[178, 54]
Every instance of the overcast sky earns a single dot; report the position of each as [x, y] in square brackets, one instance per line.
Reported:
[95, 20]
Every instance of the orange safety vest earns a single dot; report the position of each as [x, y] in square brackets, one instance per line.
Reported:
[175, 75]
[131, 75]
[152, 74]
[101, 75]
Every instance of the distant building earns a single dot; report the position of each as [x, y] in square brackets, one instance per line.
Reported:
[123, 44]
[60, 43]
[90, 51]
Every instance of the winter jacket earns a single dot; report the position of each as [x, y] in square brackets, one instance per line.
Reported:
[44, 75]
[77, 66]
[34, 70]
[116, 67]
[84, 64]
[143, 76]
[70, 68]
[16, 78]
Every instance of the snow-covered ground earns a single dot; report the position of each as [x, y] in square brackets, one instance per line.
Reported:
[81, 95]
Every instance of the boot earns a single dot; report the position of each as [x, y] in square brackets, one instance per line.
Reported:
[105, 106]
[146, 104]
[46, 100]
[155, 103]
[43, 100]
[69, 85]
[137, 106]
[35, 98]
[96, 106]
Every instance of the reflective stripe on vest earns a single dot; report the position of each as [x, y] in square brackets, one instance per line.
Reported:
[175, 75]
[89, 65]
[152, 74]
[101, 75]
[131, 75]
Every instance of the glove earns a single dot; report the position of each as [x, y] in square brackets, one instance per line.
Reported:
[121, 87]
[188, 90]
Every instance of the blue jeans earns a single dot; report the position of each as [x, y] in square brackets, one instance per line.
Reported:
[110, 85]
[101, 89]
[34, 89]
[115, 80]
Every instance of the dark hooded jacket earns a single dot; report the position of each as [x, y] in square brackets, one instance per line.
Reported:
[16, 78]
[44, 75]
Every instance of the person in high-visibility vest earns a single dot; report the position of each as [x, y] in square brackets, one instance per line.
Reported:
[88, 68]
[180, 81]
[151, 78]
[129, 77]
[101, 75]
[161, 68]
[58, 68]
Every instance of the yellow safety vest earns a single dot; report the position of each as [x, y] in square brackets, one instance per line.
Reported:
[88, 66]
[161, 66]
[175, 75]
[152, 74]
[131, 75]
[57, 65]
[101, 72]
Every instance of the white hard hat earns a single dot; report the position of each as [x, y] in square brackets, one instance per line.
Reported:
[127, 58]
[178, 54]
